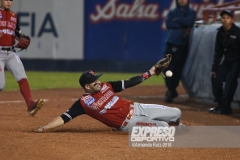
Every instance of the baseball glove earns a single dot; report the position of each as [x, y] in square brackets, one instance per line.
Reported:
[162, 64]
[23, 41]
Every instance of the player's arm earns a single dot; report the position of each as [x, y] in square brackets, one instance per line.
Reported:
[218, 53]
[119, 86]
[58, 121]
[17, 26]
[17, 30]
[73, 112]
[170, 21]
[188, 20]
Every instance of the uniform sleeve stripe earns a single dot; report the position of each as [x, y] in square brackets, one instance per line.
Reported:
[123, 87]
[66, 114]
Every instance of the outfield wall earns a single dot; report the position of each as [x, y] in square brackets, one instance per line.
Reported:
[111, 35]
[54, 26]
[112, 30]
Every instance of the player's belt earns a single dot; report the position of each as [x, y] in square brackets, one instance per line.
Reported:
[7, 48]
[129, 116]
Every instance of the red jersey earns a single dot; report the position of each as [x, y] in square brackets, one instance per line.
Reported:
[8, 24]
[106, 106]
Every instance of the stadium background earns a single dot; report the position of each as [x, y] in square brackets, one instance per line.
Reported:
[105, 35]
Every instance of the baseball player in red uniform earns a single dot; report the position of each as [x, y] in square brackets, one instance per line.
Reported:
[9, 58]
[101, 102]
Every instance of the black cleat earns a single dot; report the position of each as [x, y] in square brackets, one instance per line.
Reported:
[170, 96]
[211, 110]
[223, 111]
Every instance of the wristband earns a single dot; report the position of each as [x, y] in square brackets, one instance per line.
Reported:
[146, 75]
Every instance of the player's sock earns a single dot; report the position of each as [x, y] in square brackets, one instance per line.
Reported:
[25, 91]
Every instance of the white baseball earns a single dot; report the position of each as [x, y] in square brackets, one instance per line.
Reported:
[169, 73]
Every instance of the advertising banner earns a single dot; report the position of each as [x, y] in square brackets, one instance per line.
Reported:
[130, 30]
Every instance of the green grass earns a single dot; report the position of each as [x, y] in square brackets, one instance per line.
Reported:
[47, 80]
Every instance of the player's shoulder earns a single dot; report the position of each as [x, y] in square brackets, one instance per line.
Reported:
[191, 9]
[106, 84]
[13, 13]
[220, 29]
[102, 83]
[236, 27]
[172, 11]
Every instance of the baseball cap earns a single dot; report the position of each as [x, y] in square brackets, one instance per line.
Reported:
[88, 77]
[228, 12]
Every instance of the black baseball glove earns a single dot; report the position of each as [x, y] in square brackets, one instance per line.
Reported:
[162, 64]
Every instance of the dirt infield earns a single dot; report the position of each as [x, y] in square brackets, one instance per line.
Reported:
[86, 138]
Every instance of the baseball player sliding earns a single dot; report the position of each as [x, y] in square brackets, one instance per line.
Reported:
[9, 31]
[101, 102]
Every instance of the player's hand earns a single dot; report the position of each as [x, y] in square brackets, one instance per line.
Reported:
[162, 64]
[152, 70]
[41, 129]
[213, 75]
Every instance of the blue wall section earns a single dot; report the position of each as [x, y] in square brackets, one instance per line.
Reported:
[118, 39]
[79, 65]
[128, 38]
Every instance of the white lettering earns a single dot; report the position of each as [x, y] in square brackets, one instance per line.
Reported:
[8, 24]
[134, 131]
[146, 133]
[137, 10]
[7, 31]
[152, 139]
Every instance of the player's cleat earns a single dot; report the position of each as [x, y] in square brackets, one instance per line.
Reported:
[180, 124]
[35, 107]
[227, 110]
[222, 108]
[170, 96]
[211, 110]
